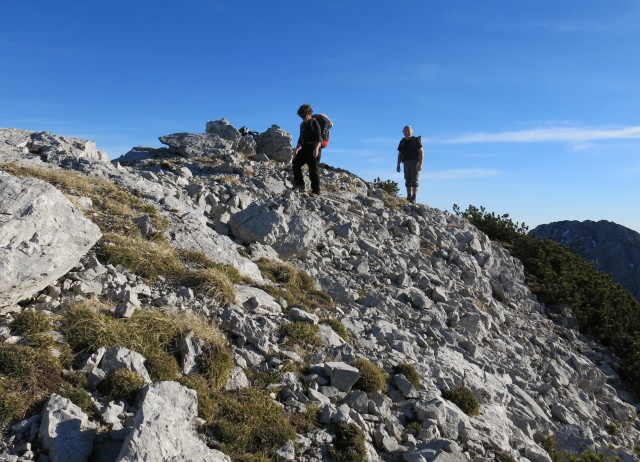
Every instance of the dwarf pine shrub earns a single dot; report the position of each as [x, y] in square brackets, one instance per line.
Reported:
[388, 186]
[372, 377]
[349, 445]
[464, 398]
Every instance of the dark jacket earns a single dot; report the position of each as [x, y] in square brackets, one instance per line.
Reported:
[310, 132]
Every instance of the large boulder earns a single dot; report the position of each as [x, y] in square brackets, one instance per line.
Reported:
[223, 129]
[276, 144]
[192, 233]
[163, 428]
[195, 144]
[42, 236]
[291, 235]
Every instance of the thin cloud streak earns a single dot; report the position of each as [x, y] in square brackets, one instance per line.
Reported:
[462, 174]
[545, 135]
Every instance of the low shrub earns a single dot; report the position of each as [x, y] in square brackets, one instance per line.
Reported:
[389, 186]
[372, 377]
[464, 398]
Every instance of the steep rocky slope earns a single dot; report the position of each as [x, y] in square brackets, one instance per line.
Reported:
[417, 289]
[612, 248]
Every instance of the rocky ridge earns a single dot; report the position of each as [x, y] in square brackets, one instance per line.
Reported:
[411, 284]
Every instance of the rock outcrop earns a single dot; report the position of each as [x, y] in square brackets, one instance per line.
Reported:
[612, 248]
[409, 288]
[42, 236]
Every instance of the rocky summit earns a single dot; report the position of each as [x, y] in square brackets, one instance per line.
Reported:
[416, 335]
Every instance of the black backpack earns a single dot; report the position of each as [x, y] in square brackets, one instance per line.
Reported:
[325, 126]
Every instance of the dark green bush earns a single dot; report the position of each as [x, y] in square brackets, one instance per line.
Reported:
[389, 186]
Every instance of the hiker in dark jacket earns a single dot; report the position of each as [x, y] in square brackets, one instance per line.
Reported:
[307, 151]
[410, 153]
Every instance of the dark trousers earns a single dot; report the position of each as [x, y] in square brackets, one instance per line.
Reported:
[305, 156]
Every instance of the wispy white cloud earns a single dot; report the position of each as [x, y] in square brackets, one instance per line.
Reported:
[462, 174]
[575, 136]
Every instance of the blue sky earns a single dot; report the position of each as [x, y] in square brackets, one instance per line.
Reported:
[527, 107]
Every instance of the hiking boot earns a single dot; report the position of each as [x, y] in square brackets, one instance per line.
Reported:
[315, 192]
[297, 187]
[412, 199]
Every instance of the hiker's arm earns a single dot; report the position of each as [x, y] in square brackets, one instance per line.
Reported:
[421, 151]
[399, 161]
[299, 145]
[316, 146]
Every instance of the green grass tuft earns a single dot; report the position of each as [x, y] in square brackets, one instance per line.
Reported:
[372, 377]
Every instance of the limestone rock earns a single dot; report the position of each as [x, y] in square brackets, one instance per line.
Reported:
[276, 144]
[163, 428]
[42, 237]
[65, 431]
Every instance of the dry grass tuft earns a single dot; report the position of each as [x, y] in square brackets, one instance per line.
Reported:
[295, 286]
